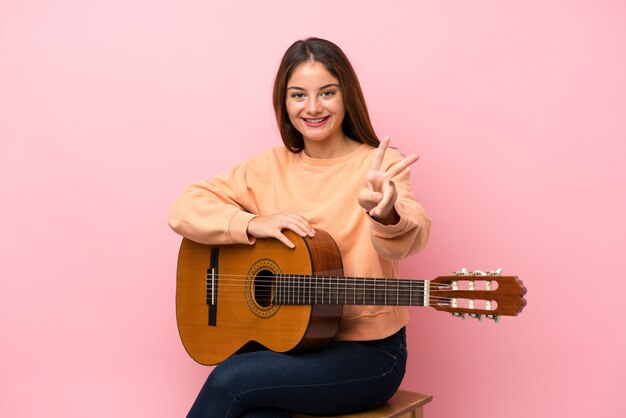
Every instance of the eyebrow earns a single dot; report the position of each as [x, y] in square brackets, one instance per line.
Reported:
[321, 88]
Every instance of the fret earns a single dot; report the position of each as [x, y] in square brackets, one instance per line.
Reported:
[309, 288]
[291, 289]
[374, 293]
[392, 291]
[385, 292]
[397, 291]
[369, 289]
[352, 291]
[302, 291]
[404, 292]
[299, 288]
[326, 289]
[364, 290]
[329, 289]
[295, 289]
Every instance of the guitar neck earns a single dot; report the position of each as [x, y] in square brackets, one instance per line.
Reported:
[296, 289]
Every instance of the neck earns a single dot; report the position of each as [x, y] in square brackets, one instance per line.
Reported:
[296, 289]
[330, 148]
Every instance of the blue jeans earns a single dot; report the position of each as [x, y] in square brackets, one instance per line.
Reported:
[344, 377]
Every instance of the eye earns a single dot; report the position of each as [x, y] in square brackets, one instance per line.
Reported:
[296, 95]
[328, 93]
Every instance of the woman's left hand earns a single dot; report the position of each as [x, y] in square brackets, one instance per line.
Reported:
[379, 195]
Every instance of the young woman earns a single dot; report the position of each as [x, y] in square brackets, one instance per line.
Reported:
[332, 174]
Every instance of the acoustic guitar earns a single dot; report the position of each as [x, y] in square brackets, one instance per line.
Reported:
[236, 298]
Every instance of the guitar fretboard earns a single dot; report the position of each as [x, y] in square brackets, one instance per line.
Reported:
[296, 289]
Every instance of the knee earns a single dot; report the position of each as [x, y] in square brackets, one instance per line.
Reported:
[218, 396]
[218, 384]
[225, 381]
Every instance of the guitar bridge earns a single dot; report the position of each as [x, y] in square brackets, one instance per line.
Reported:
[211, 287]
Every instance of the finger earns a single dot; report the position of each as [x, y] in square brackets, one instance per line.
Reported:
[299, 229]
[387, 200]
[380, 153]
[369, 181]
[369, 198]
[285, 240]
[301, 222]
[375, 179]
[401, 165]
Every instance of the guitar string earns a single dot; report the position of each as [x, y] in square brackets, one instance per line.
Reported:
[320, 276]
[352, 296]
[237, 279]
[386, 285]
[349, 300]
[353, 293]
[368, 286]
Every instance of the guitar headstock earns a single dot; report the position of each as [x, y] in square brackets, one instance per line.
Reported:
[478, 293]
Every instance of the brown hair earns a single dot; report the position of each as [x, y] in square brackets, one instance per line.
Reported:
[356, 123]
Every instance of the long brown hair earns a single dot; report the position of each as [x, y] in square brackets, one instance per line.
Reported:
[356, 123]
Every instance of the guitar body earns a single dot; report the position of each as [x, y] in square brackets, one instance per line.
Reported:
[224, 294]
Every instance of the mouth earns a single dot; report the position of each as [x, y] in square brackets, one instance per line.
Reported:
[314, 123]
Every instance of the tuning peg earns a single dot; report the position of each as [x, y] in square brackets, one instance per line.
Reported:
[495, 318]
[462, 272]
[476, 316]
[497, 272]
[459, 315]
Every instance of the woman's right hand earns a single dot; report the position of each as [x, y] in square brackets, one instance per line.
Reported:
[271, 226]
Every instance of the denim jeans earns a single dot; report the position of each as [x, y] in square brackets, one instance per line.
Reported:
[344, 377]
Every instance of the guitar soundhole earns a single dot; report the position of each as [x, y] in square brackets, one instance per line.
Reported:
[263, 288]
[260, 291]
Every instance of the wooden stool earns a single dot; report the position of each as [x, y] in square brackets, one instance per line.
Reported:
[401, 405]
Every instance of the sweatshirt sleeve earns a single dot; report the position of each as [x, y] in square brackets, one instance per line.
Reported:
[411, 233]
[215, 212]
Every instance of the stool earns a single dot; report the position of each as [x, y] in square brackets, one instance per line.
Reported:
[401, 405]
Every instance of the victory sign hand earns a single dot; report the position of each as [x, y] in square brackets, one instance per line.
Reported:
[379, 195]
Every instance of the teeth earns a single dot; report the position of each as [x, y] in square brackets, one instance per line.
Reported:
[315, 120]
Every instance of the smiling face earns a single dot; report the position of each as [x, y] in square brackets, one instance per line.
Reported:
[315, 104]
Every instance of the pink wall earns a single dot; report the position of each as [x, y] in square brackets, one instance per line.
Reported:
[107, 109]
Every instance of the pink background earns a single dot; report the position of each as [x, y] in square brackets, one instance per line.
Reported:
[108, 110]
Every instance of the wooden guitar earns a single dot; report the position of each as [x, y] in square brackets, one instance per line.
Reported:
[236, 298]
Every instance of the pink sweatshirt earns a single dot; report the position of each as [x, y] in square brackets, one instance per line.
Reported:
[325, 192]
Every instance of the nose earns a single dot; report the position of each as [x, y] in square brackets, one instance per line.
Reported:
[313, 105]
